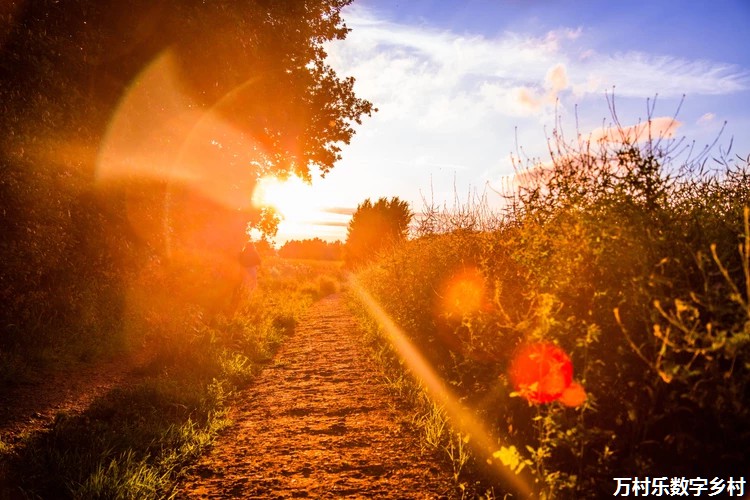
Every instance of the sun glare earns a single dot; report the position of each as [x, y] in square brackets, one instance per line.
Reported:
[293, 199]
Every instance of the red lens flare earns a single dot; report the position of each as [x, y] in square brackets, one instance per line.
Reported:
[542, 373]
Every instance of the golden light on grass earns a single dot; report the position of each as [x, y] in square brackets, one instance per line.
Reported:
[462, 418]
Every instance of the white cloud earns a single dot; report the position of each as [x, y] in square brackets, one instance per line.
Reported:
[706, 118]
[408, 67]
[636, 74]
[557, 78]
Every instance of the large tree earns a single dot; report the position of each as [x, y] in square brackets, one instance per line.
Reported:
[375, 226]
[260, 64]
[132, 127]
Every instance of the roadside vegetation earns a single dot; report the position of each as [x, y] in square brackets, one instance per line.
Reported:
[632, 256]
[134, 442]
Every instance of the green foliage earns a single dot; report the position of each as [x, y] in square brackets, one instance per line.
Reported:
[375, 226]
[638, 268]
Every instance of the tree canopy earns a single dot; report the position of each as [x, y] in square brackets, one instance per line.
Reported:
[260, 64]
[375, 226]
[135, 132]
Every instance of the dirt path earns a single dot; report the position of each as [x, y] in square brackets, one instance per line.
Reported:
[316, 423]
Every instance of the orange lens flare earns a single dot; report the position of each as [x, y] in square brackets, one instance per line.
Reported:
[463, 293]
[183, 160]
[542, 373]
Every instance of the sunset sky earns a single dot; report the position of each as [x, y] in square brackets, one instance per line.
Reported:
[453, 81]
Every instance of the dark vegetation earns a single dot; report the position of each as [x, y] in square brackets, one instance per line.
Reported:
[132, 138]
[315, 249]
[630, 255]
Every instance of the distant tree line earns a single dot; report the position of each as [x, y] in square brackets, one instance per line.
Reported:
[315, 248]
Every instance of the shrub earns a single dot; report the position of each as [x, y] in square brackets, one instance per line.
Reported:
[630, 264]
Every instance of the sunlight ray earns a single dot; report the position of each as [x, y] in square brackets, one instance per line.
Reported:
[460, 417]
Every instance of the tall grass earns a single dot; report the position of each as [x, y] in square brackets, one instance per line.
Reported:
[634, 260]
[134, 442]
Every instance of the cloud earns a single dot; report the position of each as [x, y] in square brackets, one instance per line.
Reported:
[637, 74]
[449, 99]
[526, 100]
[436, 74]
[534, 175]
[556, 79]
[706, 118]
[327, 223]
[340, 210]
[409, 70]
[655, 128]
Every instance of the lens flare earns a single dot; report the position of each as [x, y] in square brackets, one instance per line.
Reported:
[542, 372]
[463, 293]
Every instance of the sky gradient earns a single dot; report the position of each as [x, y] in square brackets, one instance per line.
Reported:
[457, 84]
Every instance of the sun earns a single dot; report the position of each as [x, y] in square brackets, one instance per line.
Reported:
[293, 198]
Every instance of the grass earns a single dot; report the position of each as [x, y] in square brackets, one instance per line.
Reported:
[135, 441]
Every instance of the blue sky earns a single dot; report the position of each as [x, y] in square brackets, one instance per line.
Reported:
[457, 82]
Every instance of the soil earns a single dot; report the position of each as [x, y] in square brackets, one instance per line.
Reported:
[317, 423]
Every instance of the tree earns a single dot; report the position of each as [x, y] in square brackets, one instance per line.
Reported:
[375, 226]
[260, 64]
[315, 248]
[250, 75]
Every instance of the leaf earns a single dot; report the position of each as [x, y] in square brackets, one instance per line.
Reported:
[510, 457]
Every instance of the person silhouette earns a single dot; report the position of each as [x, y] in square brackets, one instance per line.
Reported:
[250, 261]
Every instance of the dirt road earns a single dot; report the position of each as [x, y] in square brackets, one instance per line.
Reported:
[316, 423]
